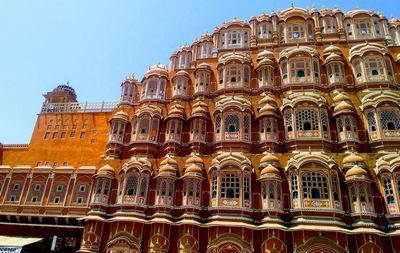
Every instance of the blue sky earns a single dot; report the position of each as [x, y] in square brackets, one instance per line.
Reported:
[95, 44]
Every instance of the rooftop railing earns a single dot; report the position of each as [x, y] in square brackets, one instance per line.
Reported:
[79, 107]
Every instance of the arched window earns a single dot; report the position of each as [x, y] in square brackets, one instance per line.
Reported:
[390, 120]
[387, 185]
[144, 124]
[324, 120]
[374, 68]
[315, 186]
[294, 186]
[192, 190]
[143, 187]
[329, 25]
[230, 186]
[218, 124]
[358, 69]
[264, 30]
[234, 38]
[131, 185]
[288, 121]
[300, 73]
[335, 72]
[214, 185]
[371, 121]
[295, 32]
[232, 123]
[165, 190]
[306, 119]
[265, 76]
[363, 27]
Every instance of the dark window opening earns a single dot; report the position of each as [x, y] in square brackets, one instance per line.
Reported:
[307, 126]
[300, 73]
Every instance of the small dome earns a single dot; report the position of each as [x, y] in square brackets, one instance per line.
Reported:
[182, 73]
[341, 97]
[269, 170]
[203, 66]
[121, 115]
[177, 110]
[167, 169]
[357, 171]
[342, 107]
[269, 159]
[332, 49]
[65, 88]
[267, 109]
[129, 79]
[265, 54]
[199, 109]
[158, 70]
[333, 57]
[353, 159]
[106, 170]
[194, 159]
[193, 169]
[169, 161]
[265, 62]
[267, 99]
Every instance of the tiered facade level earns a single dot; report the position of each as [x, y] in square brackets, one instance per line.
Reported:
[277, 134]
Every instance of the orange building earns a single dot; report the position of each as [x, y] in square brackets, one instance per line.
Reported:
[277, 134]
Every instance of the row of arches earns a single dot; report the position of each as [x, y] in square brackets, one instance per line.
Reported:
[308, 182]
[369, 63]
[231, 243]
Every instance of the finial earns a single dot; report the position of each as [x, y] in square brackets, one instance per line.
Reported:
[356, 7]
[335, 7]
[292, 4]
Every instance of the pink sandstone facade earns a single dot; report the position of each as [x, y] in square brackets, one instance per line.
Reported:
[277, 134]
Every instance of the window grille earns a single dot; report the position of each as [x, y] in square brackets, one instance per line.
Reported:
[121, 184]
[218, 124]
[288, 121]
[335, 188]
[143, 187]
[306, 119]
[315, 186]
[131, 186]
[371, 121]
[324, 120]
[232, 123]
[246, 187]
[214, 186]
[246, 123]
[387, 185]
[271, 191]
[230, 186]
[295, 186]
[390, 120]
[339, 123]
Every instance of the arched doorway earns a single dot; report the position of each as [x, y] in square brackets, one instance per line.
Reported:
[123, 242]
[229, 243]
[273, 245]
[320, 245]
